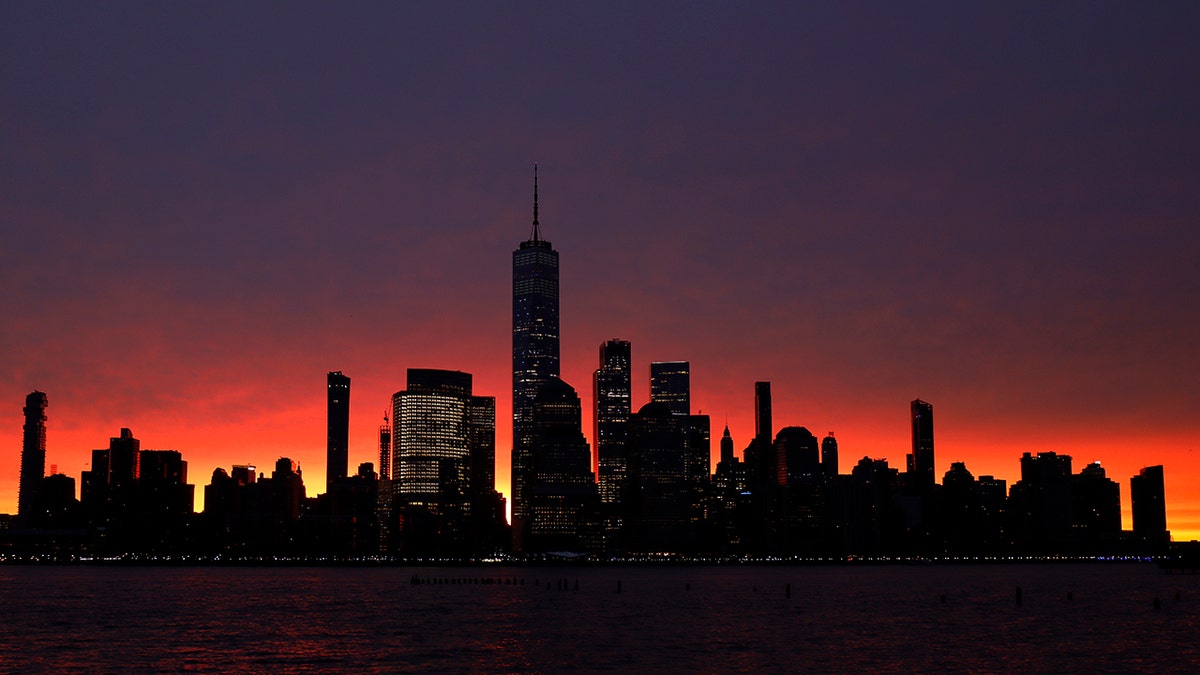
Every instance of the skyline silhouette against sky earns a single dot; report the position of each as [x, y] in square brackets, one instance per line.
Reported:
[209, 207]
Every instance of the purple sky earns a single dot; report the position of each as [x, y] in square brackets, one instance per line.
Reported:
[208, 206]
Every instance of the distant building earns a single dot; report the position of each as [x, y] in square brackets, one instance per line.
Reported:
[1039, 505]
[33, 458]
[535, 353]
[1148, 497]
[337, 447]
[671, 385]
[1095, 508]
[564, 501]
[612, 393]
[922, 444]
[443, 461]
[829, 455]
[658, 511]
[385, 449]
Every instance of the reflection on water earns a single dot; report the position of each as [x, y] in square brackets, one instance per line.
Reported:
[887, 619]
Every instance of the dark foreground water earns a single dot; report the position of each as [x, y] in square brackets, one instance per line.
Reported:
[707, 619]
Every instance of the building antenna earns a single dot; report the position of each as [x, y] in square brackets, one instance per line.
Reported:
[536, 232]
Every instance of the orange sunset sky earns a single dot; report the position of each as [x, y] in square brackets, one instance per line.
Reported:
[205, 208]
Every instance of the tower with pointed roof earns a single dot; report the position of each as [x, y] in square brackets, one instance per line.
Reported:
[535, 353]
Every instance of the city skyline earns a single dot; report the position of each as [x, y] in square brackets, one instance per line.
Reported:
[988, 209]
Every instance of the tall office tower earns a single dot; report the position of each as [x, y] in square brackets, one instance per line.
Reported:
[612, 392]
[481, 433]
[33, 457]
[385, 449]
[829, 455]
[1149, 506]
[431, 437]
[922, 443]
[337, 446]
[563, 498]
[657, 512]
[535, 350]
[671, 383]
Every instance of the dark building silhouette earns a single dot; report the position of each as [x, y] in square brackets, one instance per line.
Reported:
[612, 392]
[337, 447]
[535, 353]
[1095, 509]
[137, 500]
[799, 477]
[760, 454]
[729, 507]
[922, 444]
[1039, 505]
[658, 511]
[1148, 499]
[829, 456]
[563, 498]
[797, 456]
[58, 508]
[33, 458]
[671, 384]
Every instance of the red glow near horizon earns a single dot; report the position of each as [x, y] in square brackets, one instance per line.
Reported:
[956, 204]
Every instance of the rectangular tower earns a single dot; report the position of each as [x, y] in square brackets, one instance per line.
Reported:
[612, 391]
[922, 443]
[671, 383]
[535, 351]
[1148, 498]
[337, 446]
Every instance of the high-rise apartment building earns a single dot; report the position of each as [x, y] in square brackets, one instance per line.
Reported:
[33, 457]
[612, 392]
[535, 350]
[337, 447]
[1148, 498]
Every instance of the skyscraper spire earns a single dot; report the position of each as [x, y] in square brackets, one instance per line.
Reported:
[536, 233]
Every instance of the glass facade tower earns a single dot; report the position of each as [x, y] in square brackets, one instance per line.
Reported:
[611, 420]
[535, 352]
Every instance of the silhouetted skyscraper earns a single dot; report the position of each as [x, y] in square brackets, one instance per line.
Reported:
[922, 443]
[671, 384]
[563, 498]
[337, 448]
[762, 412]
[33, 457]
[535, 350]
[124, 460]
[612, 392]
[1149, 501]
[829, 455]
[658, 507]
[760, 454]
